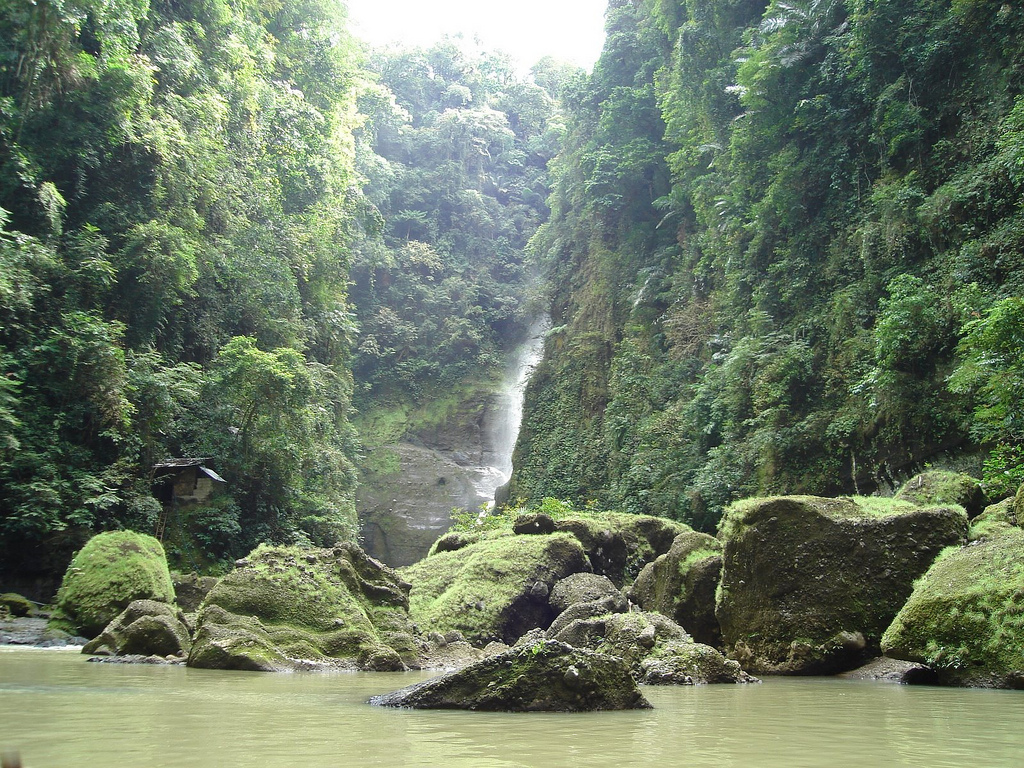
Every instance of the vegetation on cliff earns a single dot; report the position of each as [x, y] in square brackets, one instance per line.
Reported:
[784, 255]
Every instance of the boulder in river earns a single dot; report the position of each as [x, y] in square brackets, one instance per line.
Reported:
[681, 584]
[809, 584]
[495, 589]
[964, 618]
[145, 627]
[111, 570]
[543, 677]
[291, 608]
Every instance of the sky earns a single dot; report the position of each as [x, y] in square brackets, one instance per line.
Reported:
[571, 30]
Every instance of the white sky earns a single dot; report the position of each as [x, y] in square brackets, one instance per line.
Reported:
[570, 30]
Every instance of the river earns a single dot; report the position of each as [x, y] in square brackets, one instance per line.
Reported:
[59, 711]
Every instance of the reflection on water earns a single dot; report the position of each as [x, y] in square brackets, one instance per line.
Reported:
[61, 712]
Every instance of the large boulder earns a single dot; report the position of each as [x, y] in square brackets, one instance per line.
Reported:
[190, 589]
[145, 627]
[940, 487]
[681, 584]
[291, 608]
[617, 544]
[112, 570]
[965, 618]
[809, 584]
[580, 588]
[657, 650]
[546, 677]
[495, 589]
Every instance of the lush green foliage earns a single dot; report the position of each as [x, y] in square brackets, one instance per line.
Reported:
[454, 154]
[176, 187]
[802, 272]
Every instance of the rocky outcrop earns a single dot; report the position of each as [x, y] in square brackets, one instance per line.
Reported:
[657, 650]
[964, 617]
[190, 589]
[144, 628]
[939, 487]
[543, 677]
[494, 590]
[111, 571]
[681, 584]
[580, 588]
[406, 497]
[618, 545]
[809, 584]
[290, 608]
[886, 670]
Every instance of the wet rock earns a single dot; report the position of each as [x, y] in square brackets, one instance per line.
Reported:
[137, 658]
[886, 670]
[488, 590]
[145, 627]
[681, 584]
[964, 616]
[580, 588]
[111, 570]
[547, 676]
[282, 611]
[803, 578]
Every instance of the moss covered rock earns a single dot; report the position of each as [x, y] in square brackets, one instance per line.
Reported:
[809, 584]
[677, 662]
[111, 570]
[190, 589]
[145, 627]
[580, 588]
[543, 677]
[493, 590]
[965, 618]
[16, 605]
[681, 584]
[941, 487]
[657, 650]
[617, 544]
[288, 608]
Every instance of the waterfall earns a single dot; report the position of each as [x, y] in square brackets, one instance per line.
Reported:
[501, 424]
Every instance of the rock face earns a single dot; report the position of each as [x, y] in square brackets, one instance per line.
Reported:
[190, 589]
[681, 584]
[809, 584]
[941, 487]
[146, 628]
[618, 545]
[289, 608]
[494, 590]
[543, 677]
[111, 570]
[964, 618]
[406, 503]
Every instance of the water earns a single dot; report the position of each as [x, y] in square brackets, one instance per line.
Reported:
[502, 422]
[60, 711]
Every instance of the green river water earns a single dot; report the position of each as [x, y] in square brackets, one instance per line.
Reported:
[58, 711]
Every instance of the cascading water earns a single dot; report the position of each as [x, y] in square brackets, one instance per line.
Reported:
[503, 419]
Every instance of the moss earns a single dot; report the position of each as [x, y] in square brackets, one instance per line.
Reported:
[944, 487]
[17, 605]
[111, 571]
[308, 605]
[966, 615]
[809, 584]
[479, 589]
[996, 519]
